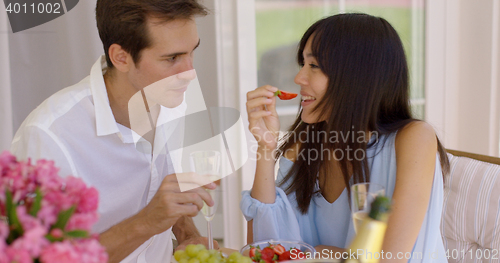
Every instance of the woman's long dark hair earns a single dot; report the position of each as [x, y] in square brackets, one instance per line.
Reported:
[368, 90]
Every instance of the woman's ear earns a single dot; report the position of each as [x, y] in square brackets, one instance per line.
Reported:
[120, 58]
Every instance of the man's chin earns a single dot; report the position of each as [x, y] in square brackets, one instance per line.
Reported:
[173, 102]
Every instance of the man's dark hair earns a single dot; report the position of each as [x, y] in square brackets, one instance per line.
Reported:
[124, 22]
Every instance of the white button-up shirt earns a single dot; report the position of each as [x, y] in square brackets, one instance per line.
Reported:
[76, 128]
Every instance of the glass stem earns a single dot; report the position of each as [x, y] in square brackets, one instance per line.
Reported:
[210, 238]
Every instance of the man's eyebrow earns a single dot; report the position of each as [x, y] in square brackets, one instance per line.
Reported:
[181, 53]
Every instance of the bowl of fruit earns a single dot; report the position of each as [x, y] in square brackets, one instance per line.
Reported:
[268, 251]
[199, 254]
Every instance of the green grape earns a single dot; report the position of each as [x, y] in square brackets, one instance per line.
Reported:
[244, 260]
[213, 260]
[203, 255]
[192, 250]
[233, 258]
[201, 247]
[213, 252]
[183, 260]
[194, 260]
[217, 255]
[180, 254]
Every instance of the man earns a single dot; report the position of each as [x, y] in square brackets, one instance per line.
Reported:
[85, 129]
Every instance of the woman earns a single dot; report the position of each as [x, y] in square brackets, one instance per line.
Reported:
[354, 125]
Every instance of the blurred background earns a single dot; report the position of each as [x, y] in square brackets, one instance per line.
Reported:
[452, 47]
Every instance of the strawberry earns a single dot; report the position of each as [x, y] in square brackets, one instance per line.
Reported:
[284, 256]
[299, 253]
[279, 249]
[254, 253]
[283, 95]
[267, 254]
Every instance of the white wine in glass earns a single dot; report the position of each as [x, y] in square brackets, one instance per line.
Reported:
[207, 163]
[362, 195]
[209, 211]
[358, 217]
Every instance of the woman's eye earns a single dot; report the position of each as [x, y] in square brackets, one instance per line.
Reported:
[313, 65]
[301, 65]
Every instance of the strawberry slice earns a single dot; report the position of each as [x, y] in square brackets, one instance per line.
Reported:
[279, 249]
[283, 95]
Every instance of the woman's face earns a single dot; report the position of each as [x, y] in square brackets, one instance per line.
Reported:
[313, 84]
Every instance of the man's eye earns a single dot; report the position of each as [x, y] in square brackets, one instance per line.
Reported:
[172, 59]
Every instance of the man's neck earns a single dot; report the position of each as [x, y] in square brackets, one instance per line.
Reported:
[119, 94]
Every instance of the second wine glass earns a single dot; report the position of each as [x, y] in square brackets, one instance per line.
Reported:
[207, 163]
[362, 196]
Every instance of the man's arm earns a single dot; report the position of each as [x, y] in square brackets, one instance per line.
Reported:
[123, 238]
[166, 208]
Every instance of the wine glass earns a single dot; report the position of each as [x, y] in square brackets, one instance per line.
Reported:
[207, 163]
[362, 196]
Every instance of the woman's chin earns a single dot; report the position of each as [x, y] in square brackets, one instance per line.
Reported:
[309, 118]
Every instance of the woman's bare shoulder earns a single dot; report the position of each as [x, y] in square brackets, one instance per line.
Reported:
[416, 143]
[416, 132]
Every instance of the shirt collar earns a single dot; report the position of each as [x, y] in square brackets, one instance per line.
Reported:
[105, 120]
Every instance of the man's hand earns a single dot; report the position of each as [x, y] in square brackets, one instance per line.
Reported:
[196, 240]
[167, 206]
[169, 203]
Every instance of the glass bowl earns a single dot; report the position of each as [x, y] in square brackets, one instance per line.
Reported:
[304, 247]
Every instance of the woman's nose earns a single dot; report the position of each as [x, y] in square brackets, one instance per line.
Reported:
[301, 78]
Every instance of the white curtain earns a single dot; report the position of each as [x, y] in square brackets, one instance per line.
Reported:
[5, 94]
[40, 61]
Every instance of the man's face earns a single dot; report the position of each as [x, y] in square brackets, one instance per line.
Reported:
[171, 52]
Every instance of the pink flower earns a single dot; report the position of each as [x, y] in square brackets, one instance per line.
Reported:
[47, 176]
[60, 252]
[74, 185]
[6, 159]
[47, 213]
[89, 201]
[91, 251]
[27, 221]
[59, 199]
[17, 255]
[82, 221]
[57, 233]
[3, 246]
[32, 241]
[22, 179]
[4, 230]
